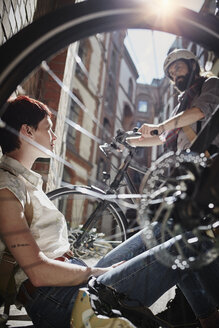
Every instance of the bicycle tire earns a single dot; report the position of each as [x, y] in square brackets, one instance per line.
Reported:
[78, 202]
[21, 54]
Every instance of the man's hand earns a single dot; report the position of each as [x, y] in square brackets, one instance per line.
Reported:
[150, 130]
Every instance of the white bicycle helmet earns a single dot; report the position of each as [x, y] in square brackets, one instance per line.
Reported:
[178, 54]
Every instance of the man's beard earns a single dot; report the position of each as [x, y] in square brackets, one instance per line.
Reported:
[182, 82]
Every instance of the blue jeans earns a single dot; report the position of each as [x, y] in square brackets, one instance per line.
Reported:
[142, 278]
[51, 307]
[145, 279]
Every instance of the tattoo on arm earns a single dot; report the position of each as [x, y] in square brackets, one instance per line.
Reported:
[19, 245]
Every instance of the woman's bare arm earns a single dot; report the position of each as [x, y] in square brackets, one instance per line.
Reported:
[41, 270]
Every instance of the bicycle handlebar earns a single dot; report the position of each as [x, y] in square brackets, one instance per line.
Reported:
[121, 139]
[122, 135]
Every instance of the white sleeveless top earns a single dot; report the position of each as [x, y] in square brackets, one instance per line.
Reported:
[48, 225]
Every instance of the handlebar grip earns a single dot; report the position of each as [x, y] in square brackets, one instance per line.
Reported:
[154, 132]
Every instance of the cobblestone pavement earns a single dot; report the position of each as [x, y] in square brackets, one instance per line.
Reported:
[18, 318]
[161, 303]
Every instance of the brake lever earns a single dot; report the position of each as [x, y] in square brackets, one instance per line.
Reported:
[122, 135]
[133, 134]
[107, 148]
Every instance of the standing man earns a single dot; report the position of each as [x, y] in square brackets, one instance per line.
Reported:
[199, 96]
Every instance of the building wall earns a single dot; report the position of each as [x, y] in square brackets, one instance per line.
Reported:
[86, 87]
[56, 167]
[126, 101]
[110, 93]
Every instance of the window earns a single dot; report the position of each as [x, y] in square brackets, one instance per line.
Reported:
[73, 116]
[109, 102]
[139, 124]
[142, 106]
[63, 202]
[113, 62]
[167, 113]
[127, 120]
[101, 169]
[106, 130]
[140, 152]
[194, 49]
[130, 90]
[83, 56]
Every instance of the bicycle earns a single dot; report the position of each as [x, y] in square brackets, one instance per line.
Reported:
[98, 224]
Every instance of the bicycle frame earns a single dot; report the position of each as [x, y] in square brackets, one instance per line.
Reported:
[122, 173]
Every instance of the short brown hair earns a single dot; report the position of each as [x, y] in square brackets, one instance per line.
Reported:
[19, 111]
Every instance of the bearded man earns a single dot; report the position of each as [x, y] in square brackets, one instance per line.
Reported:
[199, 97]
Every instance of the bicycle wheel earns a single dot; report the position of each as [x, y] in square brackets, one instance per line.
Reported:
[58, 29]
[107, 228]
[177, 196]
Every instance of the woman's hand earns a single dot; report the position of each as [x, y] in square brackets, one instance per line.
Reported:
[99, 271]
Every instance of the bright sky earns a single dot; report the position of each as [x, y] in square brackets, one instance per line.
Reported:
[148, 49]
